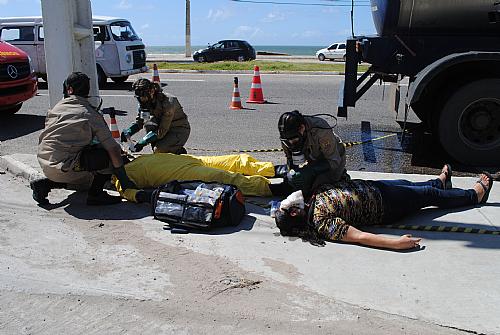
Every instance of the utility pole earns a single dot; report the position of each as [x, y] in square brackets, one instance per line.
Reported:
[69, 44]
[188, 28]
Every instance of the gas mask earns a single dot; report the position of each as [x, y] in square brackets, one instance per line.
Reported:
[296, 145]
[144, 98]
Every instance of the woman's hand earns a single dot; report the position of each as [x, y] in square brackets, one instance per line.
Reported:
[406, 242]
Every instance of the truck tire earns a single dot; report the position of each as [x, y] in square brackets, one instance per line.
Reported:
[101, 77]
[119, 80]
[469, 123]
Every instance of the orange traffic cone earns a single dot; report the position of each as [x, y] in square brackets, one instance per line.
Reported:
[113, 127]
[236, 100]
[156, 75]
[256, 95]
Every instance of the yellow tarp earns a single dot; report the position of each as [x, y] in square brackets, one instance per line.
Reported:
[153, 170]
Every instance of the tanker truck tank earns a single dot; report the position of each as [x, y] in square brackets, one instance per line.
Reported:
[470, 17]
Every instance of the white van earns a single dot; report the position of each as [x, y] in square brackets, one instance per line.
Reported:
[119, 51]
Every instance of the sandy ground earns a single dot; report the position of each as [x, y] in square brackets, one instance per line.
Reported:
[65, 272]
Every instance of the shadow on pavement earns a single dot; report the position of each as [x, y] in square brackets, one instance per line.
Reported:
[18, 125]
[246, 224]
[126, 86]
[75, 205]
[428, 216]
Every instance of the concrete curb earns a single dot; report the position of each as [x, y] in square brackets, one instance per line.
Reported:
[21, 165]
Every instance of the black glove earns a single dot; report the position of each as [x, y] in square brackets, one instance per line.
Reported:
[123, 136]
[138, 147]
[125, 181]
[302, 178]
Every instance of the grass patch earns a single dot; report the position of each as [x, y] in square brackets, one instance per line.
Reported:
[276, 66]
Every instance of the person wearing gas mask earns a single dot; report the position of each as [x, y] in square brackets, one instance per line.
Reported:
[76, 148]
[161, 115]
[315, 154]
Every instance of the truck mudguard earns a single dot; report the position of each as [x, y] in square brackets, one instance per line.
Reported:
[424, 77]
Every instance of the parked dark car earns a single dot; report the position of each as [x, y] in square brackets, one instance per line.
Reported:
[226, 50]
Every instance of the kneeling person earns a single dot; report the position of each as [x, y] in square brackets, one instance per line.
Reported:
[313, 151]
[161, 115]
[66, 152]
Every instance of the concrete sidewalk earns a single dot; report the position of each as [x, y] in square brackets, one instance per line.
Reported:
[452, 281]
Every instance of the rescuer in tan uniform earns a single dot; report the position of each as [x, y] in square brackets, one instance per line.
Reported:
[77, 148]
[315, 154]
[161, 115]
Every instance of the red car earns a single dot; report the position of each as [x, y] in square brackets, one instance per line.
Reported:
[18, 81]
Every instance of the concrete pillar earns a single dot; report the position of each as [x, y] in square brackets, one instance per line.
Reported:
[188, 28]
[69, 44]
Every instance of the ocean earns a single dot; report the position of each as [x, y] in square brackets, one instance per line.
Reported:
[293, 50]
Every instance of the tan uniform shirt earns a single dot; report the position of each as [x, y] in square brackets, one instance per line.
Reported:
[173, 127]
[322, 143]
[69, 127]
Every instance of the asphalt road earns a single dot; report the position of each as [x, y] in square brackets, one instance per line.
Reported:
[218, 130]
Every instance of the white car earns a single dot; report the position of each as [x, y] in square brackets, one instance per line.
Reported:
[334, 51]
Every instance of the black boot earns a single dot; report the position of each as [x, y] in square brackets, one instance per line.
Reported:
[97, 196]
[280, 171]
[41, 189]
[143, 196]
[181, 151]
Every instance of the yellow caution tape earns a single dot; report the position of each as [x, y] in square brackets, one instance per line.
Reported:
[447, 229]
[346, 144]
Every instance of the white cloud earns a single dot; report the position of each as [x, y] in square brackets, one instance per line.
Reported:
[273, 17]
[124, 4]
[218, 14]
[3, 2]
[246, 32]
[145, 26]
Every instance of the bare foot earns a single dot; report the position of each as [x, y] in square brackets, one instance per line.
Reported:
[480, 191]
[442, 176]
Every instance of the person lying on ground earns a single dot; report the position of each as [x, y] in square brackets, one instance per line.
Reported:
[336, 211]
[153, 170]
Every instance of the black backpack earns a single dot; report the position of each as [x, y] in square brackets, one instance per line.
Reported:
[216, 205]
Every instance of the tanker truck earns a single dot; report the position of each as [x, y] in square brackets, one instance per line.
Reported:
[450, 51]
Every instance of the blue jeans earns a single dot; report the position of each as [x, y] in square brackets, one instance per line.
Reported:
[402, 197]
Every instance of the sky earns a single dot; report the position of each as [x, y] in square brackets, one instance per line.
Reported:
[162, 22]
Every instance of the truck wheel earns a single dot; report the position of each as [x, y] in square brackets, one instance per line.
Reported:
[10, 110]
[119, 80]
[321, 57]
[469, 124]
[101, 77]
